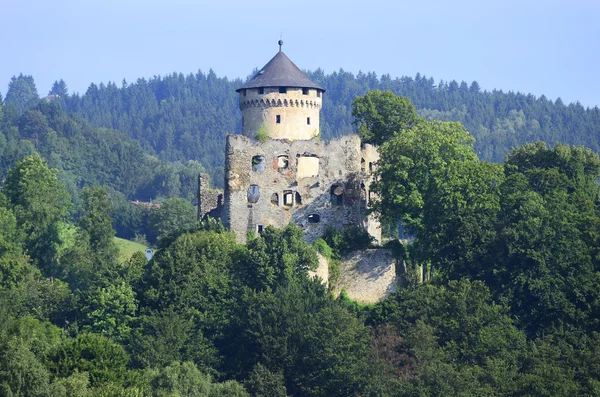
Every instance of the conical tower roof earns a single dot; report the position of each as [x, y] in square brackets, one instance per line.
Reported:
[280, 71]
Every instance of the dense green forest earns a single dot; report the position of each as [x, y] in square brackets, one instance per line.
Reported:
[512, 307]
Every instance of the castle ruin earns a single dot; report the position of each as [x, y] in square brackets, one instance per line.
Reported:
[280, 171]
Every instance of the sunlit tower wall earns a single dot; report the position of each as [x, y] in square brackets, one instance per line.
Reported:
[281, 102]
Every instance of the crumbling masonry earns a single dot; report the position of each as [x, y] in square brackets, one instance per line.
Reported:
[279, 170]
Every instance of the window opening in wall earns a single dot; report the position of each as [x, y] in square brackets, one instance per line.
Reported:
[308, 120]
[282, 90]
[298, 199]
[253, 194]
[305, 91]
[318, 93]
[244, 91]
[314, 218]
[259, 228]
[370, 167]
[275, 199]
[261, 91]
[288, 198]
[258, 163]
[337, 195]
[278, 119]
[283, 163]
[362, 165]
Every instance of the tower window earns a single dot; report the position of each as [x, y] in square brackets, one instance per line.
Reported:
[278, 119]
[305, 91]
[261, 91]
[319, 93]
[308, 120]
[244, 91]
[282, 90]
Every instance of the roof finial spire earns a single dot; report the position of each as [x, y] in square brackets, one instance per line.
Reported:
[280, 42]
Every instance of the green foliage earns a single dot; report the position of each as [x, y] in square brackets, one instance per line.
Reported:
[379, 115]
[262, 382]
[346, 241]
[168, 336]
[40, 203]
[321, 347]
[277, 257]
[109, 311]
[22, 94]
[411, 162]
[262, 135]
[184, 379]
[96, 223]
[104, 360]
[174, 216]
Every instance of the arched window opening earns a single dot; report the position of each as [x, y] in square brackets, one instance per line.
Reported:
[283, 163]
[258, 163]
[362, 165]
[298, 199]
[337, 195]
[275, 199]
[253, 194]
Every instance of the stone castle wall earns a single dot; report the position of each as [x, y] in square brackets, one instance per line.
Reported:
[210, 201]
[298, 112]
[310, 182]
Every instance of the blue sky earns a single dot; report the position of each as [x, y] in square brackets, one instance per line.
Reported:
[540, 47]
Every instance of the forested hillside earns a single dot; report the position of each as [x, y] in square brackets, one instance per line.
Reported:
[84, 154]
[185, 117]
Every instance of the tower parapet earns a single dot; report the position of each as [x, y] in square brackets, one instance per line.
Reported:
[281, 102]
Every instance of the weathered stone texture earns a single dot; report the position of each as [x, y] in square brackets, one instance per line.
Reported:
[265, 186]
[210, 201]
[368, 276]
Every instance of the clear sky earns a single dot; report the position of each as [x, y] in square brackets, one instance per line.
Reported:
[533, 46]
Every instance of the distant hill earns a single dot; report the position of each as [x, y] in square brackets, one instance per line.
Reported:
[186, 117]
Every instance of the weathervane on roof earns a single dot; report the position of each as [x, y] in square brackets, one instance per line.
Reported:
[280, 42]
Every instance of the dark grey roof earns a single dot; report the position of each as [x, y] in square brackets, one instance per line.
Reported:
[280, 71]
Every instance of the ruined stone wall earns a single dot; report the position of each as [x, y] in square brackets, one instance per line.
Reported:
[369, 160]
[210, 201]
[368, 276]
[298, 112]
[313, 183]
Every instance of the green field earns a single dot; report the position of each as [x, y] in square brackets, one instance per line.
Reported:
[127, 248]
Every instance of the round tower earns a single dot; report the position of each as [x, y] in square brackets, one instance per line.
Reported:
[280, 102]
